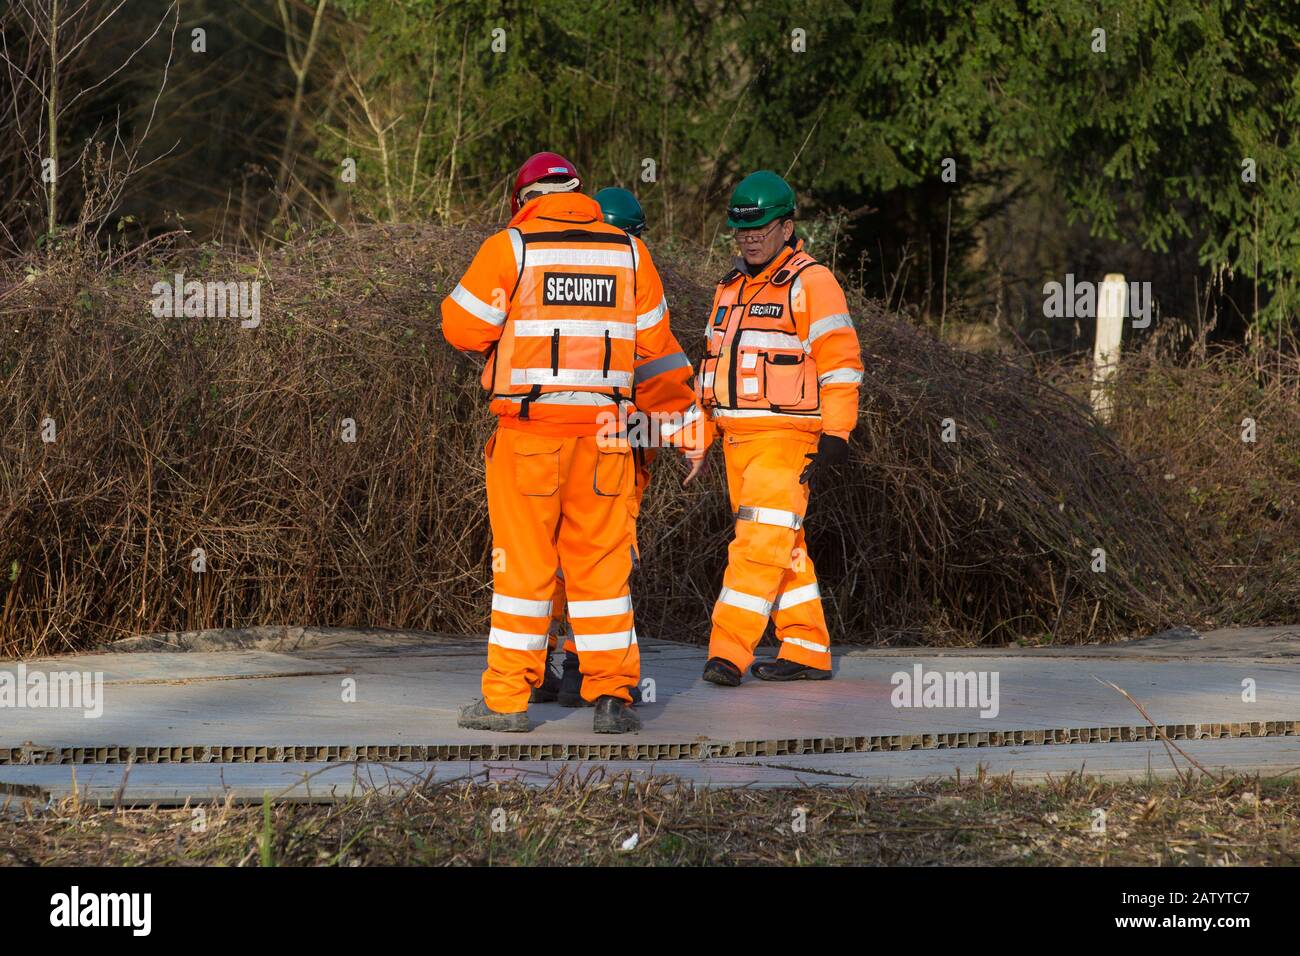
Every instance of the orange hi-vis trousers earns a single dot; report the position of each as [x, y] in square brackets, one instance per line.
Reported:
[561, 502]
[769, 573]
[643, 459]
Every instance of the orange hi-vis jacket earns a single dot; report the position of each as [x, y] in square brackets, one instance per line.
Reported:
[569, 312]
[781, 351]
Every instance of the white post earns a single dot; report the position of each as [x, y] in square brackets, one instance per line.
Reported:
[1112, 306]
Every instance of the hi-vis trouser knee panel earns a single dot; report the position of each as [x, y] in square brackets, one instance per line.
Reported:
[769, 573]
[559, 502]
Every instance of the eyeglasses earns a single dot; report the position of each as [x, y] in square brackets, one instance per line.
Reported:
[756, 235]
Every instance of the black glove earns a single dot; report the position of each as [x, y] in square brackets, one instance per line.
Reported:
[831, 453]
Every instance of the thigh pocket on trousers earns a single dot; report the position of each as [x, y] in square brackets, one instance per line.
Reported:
[611, 475]
[537, 464]
[766, 543]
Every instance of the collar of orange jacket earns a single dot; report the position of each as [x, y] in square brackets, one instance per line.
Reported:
[778, 260]
[571, 207]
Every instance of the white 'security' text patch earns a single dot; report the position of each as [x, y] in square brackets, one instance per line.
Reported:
[567, 288]
[770, 310]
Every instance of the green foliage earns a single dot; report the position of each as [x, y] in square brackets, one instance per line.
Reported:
[592, 82]
[1144, 141]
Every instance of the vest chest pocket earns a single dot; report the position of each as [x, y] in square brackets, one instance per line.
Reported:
[784, 374]
[749, 376]
[537, 464]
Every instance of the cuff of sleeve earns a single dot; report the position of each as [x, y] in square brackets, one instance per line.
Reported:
[836, 434]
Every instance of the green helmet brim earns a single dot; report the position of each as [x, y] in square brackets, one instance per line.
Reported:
[768, 215]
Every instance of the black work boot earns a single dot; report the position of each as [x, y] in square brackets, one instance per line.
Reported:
[571, 683]
[614, 716]
[720, 671]
[479, 716]
[779, 669]
[550, 689]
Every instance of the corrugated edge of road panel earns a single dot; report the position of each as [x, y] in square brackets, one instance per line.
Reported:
[630, 748]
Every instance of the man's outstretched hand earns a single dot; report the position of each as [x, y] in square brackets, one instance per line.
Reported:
[831, 453]
[697, 466]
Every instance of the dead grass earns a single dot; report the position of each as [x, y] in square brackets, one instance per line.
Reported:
[181, 434]
[987, 821]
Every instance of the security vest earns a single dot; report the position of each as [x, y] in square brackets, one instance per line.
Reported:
[755, 358]
[571, 322]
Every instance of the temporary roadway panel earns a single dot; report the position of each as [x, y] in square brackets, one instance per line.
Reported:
[322, 715]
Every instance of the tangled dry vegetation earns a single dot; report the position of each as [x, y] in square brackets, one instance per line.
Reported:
[178, 434]
[1184, 423]
[587, 822]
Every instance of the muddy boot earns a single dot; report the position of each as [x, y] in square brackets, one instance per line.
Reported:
[571, 683]
[614, 716]
[787, 670]
[722, 672]
[479, 716]
[550, 689]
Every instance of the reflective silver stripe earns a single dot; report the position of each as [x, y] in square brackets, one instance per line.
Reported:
[562, 398]
[668, 429]
[601, 608]
[477, 307]
[806, 645]
[665, 363]
[770, 340]
[516, 641]
[647, 319]
[839, 375]
[615, 641]
[840, 320]
[517, 245]
[520, 606]
[706, 379]
[772, 516]
[569, 376]
[579, 257]
[809, 592]
[746, 602]
[755, 413]
[583, 327]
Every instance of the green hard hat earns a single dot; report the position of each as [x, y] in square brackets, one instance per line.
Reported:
[760, 198]
[621, 209]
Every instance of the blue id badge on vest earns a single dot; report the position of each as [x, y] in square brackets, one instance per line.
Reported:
[720, 316]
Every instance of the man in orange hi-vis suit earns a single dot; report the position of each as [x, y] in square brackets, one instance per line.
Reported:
[658, 382]
[562, 305]
[780, 380]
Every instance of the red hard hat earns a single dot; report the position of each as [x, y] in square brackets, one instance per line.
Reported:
[540, 166]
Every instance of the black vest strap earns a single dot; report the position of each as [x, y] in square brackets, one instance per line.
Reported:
[523, 405]
[786, 275]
